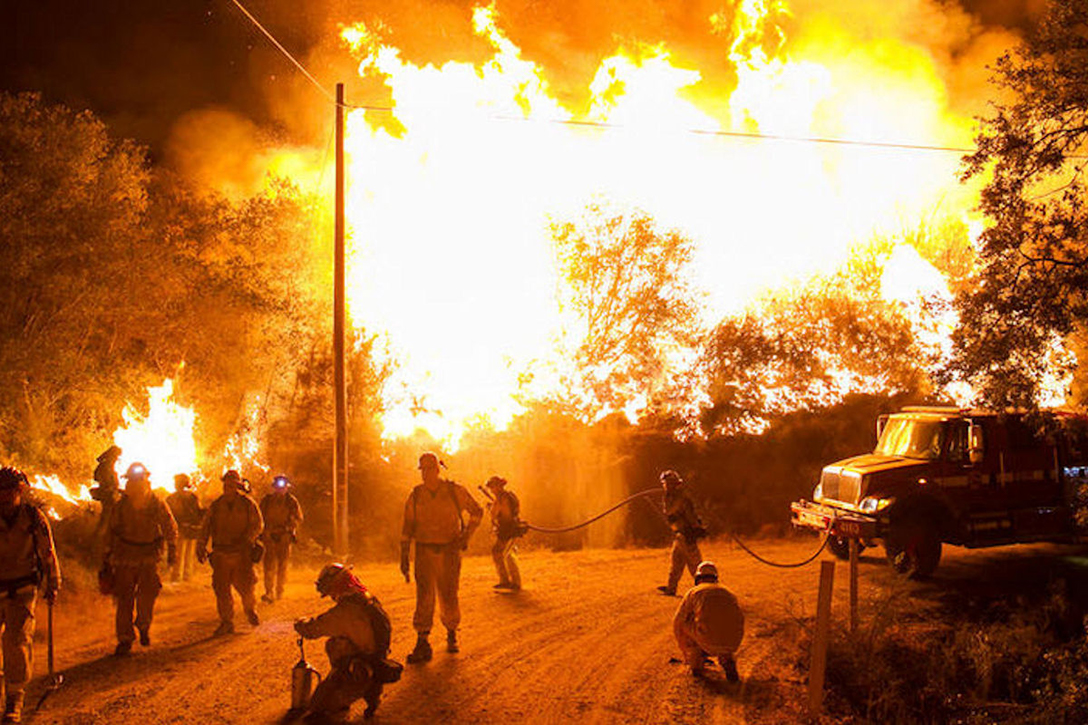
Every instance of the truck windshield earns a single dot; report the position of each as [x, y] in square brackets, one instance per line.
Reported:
[911, 438]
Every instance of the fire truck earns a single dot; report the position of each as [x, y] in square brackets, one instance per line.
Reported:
[939, 475]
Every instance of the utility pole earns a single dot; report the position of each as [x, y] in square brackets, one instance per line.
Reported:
[340, 452]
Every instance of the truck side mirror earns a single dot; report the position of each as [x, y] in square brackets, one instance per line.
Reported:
[975, 447]
[881, 421]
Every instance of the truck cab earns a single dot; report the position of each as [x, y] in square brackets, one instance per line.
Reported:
[947, 476]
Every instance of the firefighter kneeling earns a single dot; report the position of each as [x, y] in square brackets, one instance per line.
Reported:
[709, 623]
[359, 634]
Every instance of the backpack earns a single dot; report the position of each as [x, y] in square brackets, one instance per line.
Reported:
[379, 624]
[385, 670]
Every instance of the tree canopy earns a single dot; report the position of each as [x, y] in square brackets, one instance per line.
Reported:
[623, 283]
[1028, 296]
[113, 275]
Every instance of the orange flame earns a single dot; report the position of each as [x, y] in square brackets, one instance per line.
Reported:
[162, 440]
[451, 255]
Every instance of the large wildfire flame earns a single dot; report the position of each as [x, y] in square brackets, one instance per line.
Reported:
[449, 217]
[162, 440]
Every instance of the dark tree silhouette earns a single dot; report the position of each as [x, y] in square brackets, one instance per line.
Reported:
[1029, 292]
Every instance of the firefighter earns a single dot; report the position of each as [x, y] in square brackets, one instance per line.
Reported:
[282, 514]
[686, 527]
[28, 560]
[709, 623]
[359, 633]
[233, 523]
[107, 492]
[433, 516]
[185, 506]
[504, 508]
[140, 527]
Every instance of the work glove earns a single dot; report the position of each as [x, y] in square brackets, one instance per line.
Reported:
[50, 594]
[201, 554]
[404, 547]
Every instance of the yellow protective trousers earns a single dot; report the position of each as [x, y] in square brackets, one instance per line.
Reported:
[277, 553]
[438, 571]
[135, 586]
[684, 554]
[17, 618]
[233, 570]
[506, 563]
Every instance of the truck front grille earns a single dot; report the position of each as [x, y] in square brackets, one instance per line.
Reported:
[838, 487]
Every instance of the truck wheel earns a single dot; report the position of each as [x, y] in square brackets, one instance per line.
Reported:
[840, 547]
[913, 549]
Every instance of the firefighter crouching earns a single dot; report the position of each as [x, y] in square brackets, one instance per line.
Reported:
[709, 623]
[140, 527]
[282, 515]
[505, 510]
[233, 524]
[687, 530]
[27, 560]
[359, 634]
[185, 506]
[433, 517]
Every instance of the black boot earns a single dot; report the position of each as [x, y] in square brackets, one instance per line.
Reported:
[729, 665]
[422, 652]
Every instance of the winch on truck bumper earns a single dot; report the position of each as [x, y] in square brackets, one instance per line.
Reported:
[834, 521]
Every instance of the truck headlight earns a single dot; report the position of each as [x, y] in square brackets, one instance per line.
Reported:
[872, 505]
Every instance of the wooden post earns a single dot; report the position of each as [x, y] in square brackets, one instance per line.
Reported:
[818, 665]
[854, 546]
[340, 451]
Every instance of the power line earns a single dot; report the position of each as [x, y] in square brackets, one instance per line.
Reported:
[604, 125]
[283, 50]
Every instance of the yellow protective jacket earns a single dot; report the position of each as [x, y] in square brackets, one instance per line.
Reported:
[139, 535]
[282, 514]
[233, 524]
[435, 516]
[505, 510]
[680, 513]
[349, 628]
[27, 553]
[709, 615]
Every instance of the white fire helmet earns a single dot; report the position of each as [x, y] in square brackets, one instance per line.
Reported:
[707, 571]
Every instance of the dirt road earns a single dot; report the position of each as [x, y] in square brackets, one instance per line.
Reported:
[588, 640]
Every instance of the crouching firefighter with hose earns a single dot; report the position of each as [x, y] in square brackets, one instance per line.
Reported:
[359, 634]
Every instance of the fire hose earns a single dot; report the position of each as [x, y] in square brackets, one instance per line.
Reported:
[587, 522]
[655, 490]
[768, 562]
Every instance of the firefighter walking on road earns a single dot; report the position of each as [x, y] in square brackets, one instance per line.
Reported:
[434, 518]
[233, 524]
[505, 510]
[28, 560]
[282, 515]
[140, 528]
[686, 527]
[709, 623]
[359, 633]
[185, 506]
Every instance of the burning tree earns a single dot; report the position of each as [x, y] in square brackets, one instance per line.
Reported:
[632, 309]
[1028, 298]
